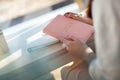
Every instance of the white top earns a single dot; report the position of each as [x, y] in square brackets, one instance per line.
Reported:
[106, 17]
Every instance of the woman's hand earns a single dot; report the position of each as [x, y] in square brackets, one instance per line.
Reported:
[75, 47]
[84, 18]
[80, 17]
[79, 50]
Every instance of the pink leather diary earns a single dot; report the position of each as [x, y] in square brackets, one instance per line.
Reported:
[60, 27]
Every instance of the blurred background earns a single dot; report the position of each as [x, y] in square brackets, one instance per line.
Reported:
[13, 12]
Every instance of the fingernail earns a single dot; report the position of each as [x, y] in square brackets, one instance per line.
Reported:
[63, 45]
[68, 13]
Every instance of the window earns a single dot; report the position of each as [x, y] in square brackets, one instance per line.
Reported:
[16, 11]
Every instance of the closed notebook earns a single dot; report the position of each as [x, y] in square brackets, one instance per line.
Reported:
[61, 27]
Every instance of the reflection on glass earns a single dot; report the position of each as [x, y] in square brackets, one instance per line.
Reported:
[10, 58]
[82, 4]
[35, 37]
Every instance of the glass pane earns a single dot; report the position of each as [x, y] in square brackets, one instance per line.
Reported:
[82, 4]
[17, 9]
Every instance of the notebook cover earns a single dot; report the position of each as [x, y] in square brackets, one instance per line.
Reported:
[60, 27]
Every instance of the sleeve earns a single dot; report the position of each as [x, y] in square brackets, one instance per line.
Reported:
[106, 18]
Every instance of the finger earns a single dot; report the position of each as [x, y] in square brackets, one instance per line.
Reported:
[69, 14]
[66, 42]
[76, 17]
[73, 16]
[73, 38]
[67, 48]
[64, 45]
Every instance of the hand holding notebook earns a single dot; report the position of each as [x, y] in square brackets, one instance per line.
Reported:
[61, 27]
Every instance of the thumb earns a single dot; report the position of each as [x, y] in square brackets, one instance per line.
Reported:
[72, 38]
[65, 41]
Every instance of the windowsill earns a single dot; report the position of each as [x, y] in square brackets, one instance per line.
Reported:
[26, 63]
